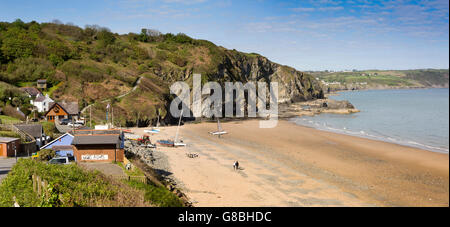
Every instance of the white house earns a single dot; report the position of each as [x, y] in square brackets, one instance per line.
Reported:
[42, 103]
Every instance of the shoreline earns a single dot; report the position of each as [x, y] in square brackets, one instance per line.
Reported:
[412, 144]
[301, 166]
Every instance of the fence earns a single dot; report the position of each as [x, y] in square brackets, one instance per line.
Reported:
[40, 186]
[142, 179]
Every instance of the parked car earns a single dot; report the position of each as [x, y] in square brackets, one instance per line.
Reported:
[59, 160]
[74, 124]
[80, 122]
[65, 121]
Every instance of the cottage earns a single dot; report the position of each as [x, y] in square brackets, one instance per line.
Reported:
[32, 92]
[42, 103]
[61, 145]
[9, 146]
[62, 110]
[98, 145]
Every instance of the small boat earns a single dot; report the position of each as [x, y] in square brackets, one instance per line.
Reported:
[175, 142]
[166, 143]
[180, 143]
[219, 130]
[152, 131]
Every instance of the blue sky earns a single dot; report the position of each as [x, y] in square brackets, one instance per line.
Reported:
[307, 35]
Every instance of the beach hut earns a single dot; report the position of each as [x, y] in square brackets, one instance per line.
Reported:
[9, 146]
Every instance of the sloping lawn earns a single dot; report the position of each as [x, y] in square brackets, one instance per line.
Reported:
[8, 120]
[70, 186]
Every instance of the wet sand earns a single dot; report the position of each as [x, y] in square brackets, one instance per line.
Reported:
[292, 165]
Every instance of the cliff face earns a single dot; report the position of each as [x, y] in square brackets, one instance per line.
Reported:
[293, 85]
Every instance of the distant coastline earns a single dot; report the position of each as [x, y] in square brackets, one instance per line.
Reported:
[336, 92]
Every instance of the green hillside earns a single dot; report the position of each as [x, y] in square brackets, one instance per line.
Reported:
[95, 66]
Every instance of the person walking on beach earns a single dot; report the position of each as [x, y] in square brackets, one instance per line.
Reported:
[236, 165]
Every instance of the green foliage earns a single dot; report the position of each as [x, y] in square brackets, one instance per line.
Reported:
[148, 35]
[179, 38]
[12, 112]
[105, 38]
[17, 43]
[69, 185]
[8, 120]
[8, 133]
[157, 195]
[18, 183]
[429, 77]
[49, 128]
[84, 72]
[178, 60]
[400, 78]
[7, 91]
[53, 199]
[46, 154]
[28, 69]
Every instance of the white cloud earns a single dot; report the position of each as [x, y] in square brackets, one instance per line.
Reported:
[334, 8]
[300, 9]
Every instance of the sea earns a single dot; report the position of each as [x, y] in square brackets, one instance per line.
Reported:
[412, 117]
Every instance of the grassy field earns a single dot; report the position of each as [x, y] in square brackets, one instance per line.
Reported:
[26, 84]
[389, 78]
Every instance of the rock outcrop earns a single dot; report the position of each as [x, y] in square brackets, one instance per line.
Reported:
[293, 85]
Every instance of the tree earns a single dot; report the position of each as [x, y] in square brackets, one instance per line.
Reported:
[106, 37]
[16, 102]
[149, 35]
[17, 43]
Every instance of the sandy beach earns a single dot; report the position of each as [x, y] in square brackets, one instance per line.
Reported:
[292, 165]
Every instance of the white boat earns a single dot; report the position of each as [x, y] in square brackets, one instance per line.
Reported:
[219, 131]
[154, 130]
[177, 143]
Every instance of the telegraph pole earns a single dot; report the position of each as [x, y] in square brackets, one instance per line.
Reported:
[112, 116]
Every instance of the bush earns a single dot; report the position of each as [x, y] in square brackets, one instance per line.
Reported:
[105, 38]
[9, 134]
[49, 128]
[159, 196]
[73, 186]
[29, 69]
[12, 112]
[46, 154]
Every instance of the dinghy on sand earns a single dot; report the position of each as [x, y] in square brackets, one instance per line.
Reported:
[175, 142]
[219, 131]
